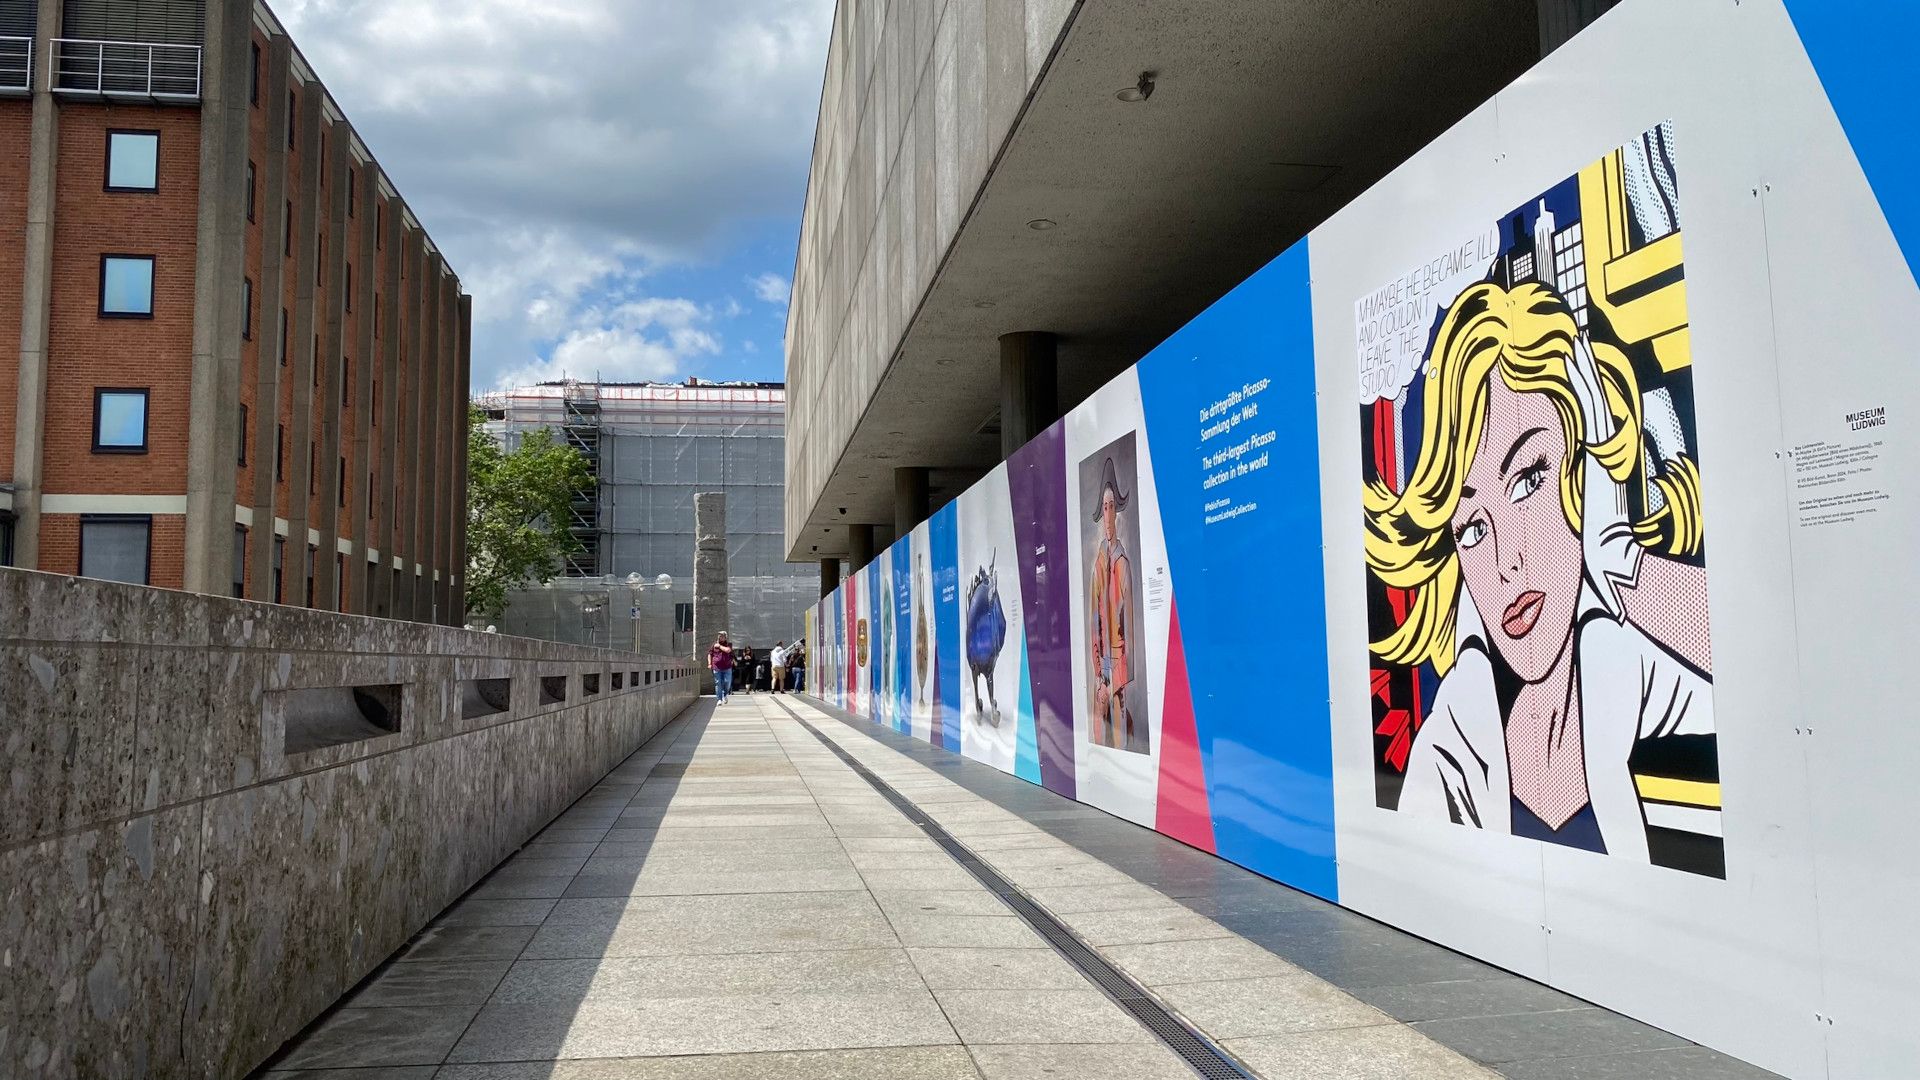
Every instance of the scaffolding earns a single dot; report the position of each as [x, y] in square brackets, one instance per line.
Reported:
[652, 446]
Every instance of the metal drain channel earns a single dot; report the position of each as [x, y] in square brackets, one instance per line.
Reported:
[1195, 1049]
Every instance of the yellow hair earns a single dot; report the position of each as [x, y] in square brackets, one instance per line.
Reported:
[1527, 336]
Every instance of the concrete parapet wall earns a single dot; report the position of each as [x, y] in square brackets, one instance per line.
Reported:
[181, 893]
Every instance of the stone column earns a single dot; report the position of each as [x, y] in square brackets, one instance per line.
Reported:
[270, 297]
[1029, 389]
[829, 577]
[859, 546]
[910, 492]
[709, 576]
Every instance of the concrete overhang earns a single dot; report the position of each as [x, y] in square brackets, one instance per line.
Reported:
[1266, 116]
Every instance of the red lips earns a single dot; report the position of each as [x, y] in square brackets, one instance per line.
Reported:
[1523, 613]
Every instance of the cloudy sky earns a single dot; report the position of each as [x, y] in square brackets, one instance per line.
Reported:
[617, 182]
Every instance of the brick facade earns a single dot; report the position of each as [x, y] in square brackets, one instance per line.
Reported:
[326, 393]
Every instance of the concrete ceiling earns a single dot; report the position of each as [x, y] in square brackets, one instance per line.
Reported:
[1266, 116]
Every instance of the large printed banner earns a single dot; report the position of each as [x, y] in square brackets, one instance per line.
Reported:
[1388, 577]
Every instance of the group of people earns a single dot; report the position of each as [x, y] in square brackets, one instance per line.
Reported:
[736, 667]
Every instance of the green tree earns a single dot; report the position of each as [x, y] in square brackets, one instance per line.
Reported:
[517, 512]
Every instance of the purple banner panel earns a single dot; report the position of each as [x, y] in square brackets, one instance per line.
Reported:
[1037, 482]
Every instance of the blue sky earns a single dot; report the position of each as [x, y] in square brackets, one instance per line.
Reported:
[617, 182]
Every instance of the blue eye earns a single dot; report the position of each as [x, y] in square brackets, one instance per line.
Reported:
[1470, 534]
[1527, 482]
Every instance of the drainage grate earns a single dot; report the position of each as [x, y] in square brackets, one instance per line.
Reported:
[1195, 1049]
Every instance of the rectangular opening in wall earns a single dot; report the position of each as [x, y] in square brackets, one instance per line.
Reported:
[485, 697]
[325, 716]
[633, 680]
[589, 684]
[553, 689]
[619, 680]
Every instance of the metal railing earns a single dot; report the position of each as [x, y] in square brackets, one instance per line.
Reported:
[127, 69]
[16, 65]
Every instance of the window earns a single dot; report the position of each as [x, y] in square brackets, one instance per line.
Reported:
[323, 160]
[126, 286]
[346, 380]
[351, 201]
[348, 267]
[279, 570]
[280, 453]
[376, 313]
[250, 190]
[286, 229]
[320, 256]
[293, 111]
[283, 337]
[312, 556]
[114, 547]
[246, 309]
[379, 226]
[316, 359]
[369, 497]
[119, 421]
[243, 433]
[133, 161]
[239, 560]
[253, 77]
[313, 478]
[343, 483]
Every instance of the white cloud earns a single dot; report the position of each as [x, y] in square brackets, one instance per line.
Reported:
[771, 288]
[561, 153]
[631, 341]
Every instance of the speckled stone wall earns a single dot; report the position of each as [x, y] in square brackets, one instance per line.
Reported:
[180, 895]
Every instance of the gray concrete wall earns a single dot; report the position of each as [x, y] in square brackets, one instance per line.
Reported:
[919, 97]
[180, 895]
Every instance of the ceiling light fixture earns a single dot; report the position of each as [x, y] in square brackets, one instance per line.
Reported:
[1139, 91]
[1042, 224]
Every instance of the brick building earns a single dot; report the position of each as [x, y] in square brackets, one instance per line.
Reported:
[242, 363]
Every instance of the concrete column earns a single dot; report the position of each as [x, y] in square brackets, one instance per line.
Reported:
[859, 546]
[432, 307]
[709, 575]
[1029, 388]
[271, 209]
[463, 374]
[910, 503]
[1561, 19]
[220, 264]
[30, 402]
[829, 576]
[302, 459]
[452, 429]
[332, 323]
[381, 531]
[407, 389]
[360, 457]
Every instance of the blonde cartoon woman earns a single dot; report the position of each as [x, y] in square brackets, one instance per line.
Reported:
[1577, 651]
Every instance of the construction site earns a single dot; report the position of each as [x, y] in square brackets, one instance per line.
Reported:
[650, 447]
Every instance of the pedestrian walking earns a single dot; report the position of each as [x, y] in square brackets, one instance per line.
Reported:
[743, 663]
[779, 666]
[720, 659]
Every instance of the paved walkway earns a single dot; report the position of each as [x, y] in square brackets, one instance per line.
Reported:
[735, 901]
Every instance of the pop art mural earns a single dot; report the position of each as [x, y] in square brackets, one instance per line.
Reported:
[1534, 538]
[1476, 673]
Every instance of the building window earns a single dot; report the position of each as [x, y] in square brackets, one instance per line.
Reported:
[379, 226]
[115, 547]
[348, 298]
[316, 359]
[246, 309]
[133, 161]
[119, 421]
[376, 313]
[312, 557]
[239, 560]
[369, 498]
[250, 190]
[313, 474]
[6, 539]
[283, 337]
[286, 229]
[126, 286]
[320, 256]
[346, 380]
[253, 77]
[280, 453]
[243, 433]
[293, 112]
[343, 483]
[279, 570]
[351, 201]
